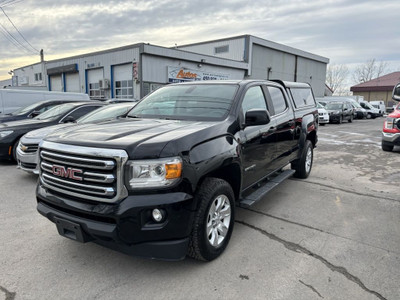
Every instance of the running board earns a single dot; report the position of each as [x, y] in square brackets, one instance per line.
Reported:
[262, 191]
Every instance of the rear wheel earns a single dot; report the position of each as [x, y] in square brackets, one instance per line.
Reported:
[214, 220]
[304, 164]
[351, 119]
[340, 120]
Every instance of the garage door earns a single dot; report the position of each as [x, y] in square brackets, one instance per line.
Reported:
[72, 83]
[123, 83]
[93, 78]
[56, 83]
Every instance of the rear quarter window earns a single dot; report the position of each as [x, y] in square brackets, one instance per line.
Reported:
[302, 97]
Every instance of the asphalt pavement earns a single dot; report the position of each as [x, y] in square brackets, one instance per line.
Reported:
[335, 235]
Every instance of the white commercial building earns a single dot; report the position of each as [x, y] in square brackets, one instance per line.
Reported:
[135, 70]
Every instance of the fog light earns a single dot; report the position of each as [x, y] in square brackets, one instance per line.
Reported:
[158, 215]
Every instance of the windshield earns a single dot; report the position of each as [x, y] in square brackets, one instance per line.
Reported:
[319, 105]
[334, 106]
[187, 102]
[55, 112]
[106, 112]
[26, 109]
[356, 104]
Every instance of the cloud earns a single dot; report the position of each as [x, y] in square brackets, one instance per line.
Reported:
[345, 31]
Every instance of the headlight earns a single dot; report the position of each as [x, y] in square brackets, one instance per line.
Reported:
[5, 133]
[389, 123]
[153, 173]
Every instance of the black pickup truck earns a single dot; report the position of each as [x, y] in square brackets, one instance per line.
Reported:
[164, 182]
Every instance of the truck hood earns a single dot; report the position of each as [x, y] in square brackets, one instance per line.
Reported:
[140, 138]
[395, 114]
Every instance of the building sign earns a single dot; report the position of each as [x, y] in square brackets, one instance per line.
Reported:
[177, 74]
[135, 70]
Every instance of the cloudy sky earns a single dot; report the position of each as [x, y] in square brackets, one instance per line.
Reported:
[346, 31]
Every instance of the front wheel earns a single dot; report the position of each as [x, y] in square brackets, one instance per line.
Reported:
[214, 220]
[304, 164]
[386, 147]
[14, 150]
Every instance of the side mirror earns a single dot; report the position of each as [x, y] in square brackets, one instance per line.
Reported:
[257, 117]
[69, 119]
[396, 92]
[35, 113]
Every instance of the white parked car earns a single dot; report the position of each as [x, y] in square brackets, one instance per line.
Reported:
[323, 116]
[27, 150]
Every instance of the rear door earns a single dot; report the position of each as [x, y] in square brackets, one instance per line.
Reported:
[283, 116]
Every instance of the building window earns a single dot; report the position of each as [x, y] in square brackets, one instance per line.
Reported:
[221, 49]
[38, 76]
[95, 91]
[124, 89]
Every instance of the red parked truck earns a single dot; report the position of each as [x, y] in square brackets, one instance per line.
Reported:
[391, 127]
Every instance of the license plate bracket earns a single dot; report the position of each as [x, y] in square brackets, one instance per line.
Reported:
[70, 230]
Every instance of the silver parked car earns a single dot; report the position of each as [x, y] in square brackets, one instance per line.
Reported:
[27, 150]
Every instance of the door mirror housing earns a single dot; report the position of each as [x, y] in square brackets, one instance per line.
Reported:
[69, 119]
[257, 117]
[396, 92]
[35, 113]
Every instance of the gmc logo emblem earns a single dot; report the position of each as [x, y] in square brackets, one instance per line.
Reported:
[61, 171]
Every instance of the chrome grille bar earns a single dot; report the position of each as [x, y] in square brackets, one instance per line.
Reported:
[78, 161]
[78, 187]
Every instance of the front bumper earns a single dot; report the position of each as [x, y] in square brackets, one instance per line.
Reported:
[323, 119]
[28, 161]
[334, 118]
[391, 138]
[125, 226]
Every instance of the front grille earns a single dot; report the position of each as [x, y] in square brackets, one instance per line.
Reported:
[397, 123]
[83, 172]
[29, 148]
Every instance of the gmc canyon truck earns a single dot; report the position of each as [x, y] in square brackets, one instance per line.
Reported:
[164, 181]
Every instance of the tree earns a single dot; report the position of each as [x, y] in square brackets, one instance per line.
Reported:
[369, 70]
[336, 76]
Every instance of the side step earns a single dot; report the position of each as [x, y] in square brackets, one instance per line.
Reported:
[262, 191]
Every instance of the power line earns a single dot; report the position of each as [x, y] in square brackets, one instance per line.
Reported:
[5, 3]
[9, 37]
[18, 30]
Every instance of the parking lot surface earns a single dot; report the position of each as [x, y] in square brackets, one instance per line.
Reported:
[335, 235]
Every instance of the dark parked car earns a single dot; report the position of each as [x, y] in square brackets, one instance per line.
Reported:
[339, 111]
[11, 132]
[32, 110]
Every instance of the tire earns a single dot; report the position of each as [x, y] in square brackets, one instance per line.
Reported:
[303, 165]
[14, 151]
[340, 120]
[386, 147]
[213, 223]
[369, 116]
[351, 119]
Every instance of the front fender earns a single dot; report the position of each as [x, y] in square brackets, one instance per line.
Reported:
[211, 155]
